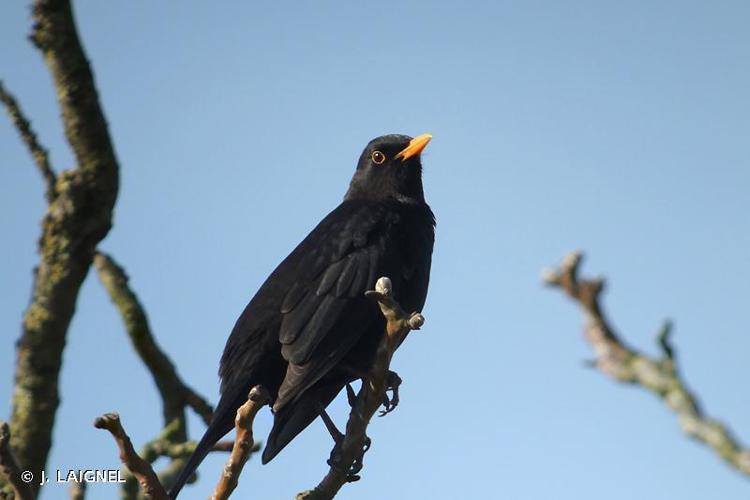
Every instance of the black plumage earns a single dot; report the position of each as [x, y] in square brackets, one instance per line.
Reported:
[309, 329]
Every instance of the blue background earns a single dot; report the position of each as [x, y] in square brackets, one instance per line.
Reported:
[617, 127]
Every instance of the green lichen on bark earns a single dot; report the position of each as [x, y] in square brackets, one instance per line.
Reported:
[175, 394]
[78, 216]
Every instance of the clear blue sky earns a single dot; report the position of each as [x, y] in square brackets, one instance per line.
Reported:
[620, 128]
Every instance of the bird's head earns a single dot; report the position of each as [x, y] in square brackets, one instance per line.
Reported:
[390, 168]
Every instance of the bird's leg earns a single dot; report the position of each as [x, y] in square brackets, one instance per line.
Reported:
[351, 473]
[332, 429]
[338, 438]
[392, 383]
[351, 396]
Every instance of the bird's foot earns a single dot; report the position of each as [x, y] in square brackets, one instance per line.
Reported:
[392, 383]
[352, 472]
[338, 438]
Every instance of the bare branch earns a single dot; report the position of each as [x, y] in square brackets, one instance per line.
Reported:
[659, 376]
[243, 443]
[180, 453]
[150, 485]
[38, 152]
[9, 467]
[76, 220]
[369, 398]
[164, 445]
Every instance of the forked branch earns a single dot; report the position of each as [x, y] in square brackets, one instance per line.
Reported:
[78, 216]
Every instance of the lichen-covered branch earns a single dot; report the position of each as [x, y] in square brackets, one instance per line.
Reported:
[28, 136]
[79, 216]
[175, 394]
[243, 442]
[9, 467]
[151, 487]
[658, 375]
[370, 396]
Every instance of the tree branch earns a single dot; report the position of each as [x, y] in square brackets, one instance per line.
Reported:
[370, 396]
[38, 152]
[76, 220]
[164, 446]
[151, 487]
[243, 442]
[175, 394]
[659, 376]
[9, 467]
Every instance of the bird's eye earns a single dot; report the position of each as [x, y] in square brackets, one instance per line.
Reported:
[378, 157]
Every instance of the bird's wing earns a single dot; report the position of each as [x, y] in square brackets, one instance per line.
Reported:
[325, 312]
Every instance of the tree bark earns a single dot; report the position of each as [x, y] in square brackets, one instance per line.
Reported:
[76, 220]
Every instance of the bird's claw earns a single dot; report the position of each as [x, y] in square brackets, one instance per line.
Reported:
[353, 471]
[392, 383]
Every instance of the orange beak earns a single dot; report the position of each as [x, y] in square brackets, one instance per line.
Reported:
[415, 147]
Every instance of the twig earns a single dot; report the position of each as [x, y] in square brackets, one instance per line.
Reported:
[76, 220]
[150, 485]
[38, 152]
[9, 467]
[659, 376]
[370, 396]
[164, 445]
[243, 442]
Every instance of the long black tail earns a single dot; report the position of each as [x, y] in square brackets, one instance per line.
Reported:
[221, 424]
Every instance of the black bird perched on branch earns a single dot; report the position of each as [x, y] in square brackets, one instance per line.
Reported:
[309, 330]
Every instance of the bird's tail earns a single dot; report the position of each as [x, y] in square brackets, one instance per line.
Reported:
[221, 423]
[295, 416]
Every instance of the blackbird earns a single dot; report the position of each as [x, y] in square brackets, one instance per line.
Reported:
[309, 330]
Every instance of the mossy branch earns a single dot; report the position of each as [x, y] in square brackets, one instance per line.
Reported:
[28, 136]
[370, 396]
[175, 394]
[78, 216]
[657, 375]
[9, 468]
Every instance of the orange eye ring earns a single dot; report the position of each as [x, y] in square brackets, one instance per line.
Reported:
[377, 157]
